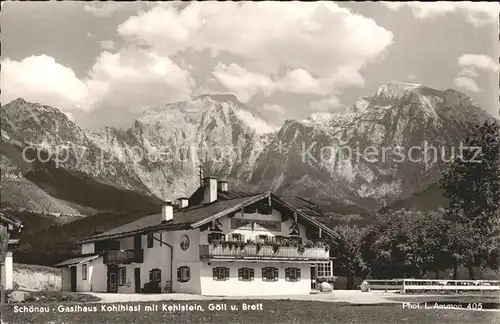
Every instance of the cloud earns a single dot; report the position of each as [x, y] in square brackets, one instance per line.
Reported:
[470, 64]
[104, 9]
[306, 40]
[467, 84]
[273, 108]
[469, 72]
[273, 112]
[41, 79]
[133, 78]
[479, 61]
[107, 44]
[477, 13]
[129, 79]
[245, 84]
[331, 104]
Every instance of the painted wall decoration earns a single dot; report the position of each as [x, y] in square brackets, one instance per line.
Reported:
[184, 242]
[216, 226]
[294, 229]
[245, 223]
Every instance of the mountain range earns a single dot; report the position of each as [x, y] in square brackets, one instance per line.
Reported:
[159, 157]
[66, 182]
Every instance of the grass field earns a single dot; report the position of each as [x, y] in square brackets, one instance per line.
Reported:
[271, 311]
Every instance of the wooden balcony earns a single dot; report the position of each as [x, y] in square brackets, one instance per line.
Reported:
[123, 256]
[249, 252]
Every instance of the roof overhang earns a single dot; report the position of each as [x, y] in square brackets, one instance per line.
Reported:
[183, 226]
[231, 209]
[328, 231]
[11, 221]
[75, 261]
[176, 226]
[146, 230]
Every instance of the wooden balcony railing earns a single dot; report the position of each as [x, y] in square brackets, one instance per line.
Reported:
[123, 256]
[249, 252]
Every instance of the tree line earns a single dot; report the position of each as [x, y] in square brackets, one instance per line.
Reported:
[412, 243]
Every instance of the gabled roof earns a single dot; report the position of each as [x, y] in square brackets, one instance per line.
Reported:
[183, 218]
[198, 214]
[6, 218]
[78, 260]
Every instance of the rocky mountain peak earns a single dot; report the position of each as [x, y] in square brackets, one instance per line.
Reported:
[395, 89]
[162, 150]
[218, 97]
[206, 108]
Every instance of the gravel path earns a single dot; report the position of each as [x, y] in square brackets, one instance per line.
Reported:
[346, 296]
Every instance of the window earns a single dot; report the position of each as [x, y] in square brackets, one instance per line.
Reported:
[270, 274]
[155, 275]
[84, 272]
[323, 270]
[183, 274]
[264, 209]
[278, 239]
[150, 241]
[216, 237]
[292, 274]
[296, 239]
[221, 274]
[122, 276]
[250, 209]
[237, 237]
[246, 274]
[262, 238]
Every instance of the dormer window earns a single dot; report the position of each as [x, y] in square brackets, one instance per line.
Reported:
[237, 237]
[263, 238]
[216, 237]
[150, 240]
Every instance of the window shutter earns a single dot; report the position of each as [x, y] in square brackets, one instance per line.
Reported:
[298, 274]
[226, 270]
[159, 275]
[263, 273]
[188, 273]
[276, 273]
[251, 274]
[178, 274]
[214, 273]
[287, 273]
[240, 274]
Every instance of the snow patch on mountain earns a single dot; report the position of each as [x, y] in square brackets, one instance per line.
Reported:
[320, 118]
[396, 89]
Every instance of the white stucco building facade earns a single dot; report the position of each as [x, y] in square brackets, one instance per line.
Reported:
[10, 226]
[215, 243]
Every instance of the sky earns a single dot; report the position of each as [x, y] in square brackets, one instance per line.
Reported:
[102, 63]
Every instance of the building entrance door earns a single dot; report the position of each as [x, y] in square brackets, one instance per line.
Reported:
[313, 278]
[72, 271]
[112, 278]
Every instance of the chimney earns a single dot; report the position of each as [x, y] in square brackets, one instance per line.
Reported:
[182, 202]
[210, 186]
[167, 211]
[223, 186]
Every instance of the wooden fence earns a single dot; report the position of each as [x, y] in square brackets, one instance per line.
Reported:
[421, 285]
